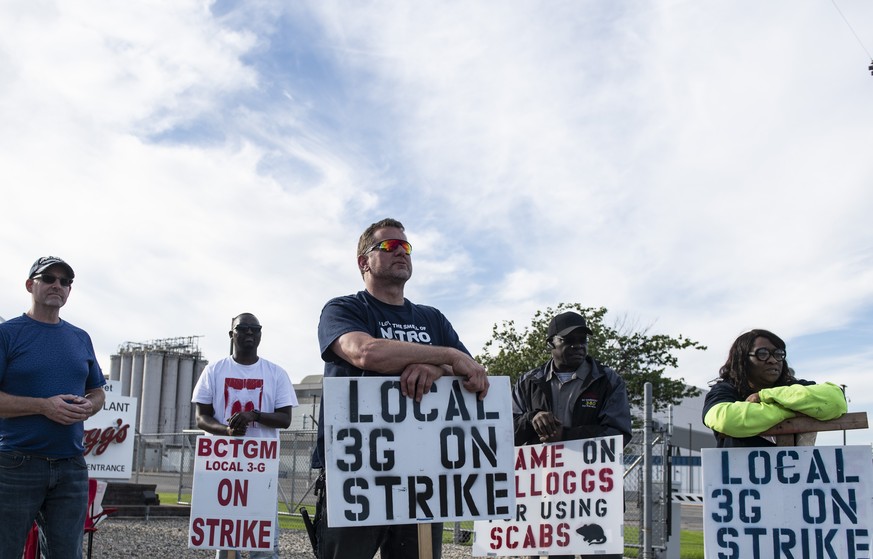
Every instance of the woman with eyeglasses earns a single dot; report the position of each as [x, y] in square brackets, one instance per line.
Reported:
[757, 390]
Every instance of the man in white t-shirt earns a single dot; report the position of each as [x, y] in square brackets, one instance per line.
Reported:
[244, 395]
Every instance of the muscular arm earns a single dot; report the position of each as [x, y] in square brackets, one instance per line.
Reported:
[418, 364]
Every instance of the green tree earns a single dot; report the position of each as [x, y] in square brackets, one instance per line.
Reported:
[636, 355]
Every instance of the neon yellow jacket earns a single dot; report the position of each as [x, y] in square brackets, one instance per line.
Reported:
[747, 419]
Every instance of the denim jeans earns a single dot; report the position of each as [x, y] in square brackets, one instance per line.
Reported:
[52, 491]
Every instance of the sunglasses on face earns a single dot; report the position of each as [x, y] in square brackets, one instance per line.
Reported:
[763, 354]
[250, 327]
[49, 279]
[390, 245]
[572, 342]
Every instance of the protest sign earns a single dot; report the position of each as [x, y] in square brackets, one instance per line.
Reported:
[233, 500]
[810, 502]
[109, 435]
[392, 460]
[569, 500]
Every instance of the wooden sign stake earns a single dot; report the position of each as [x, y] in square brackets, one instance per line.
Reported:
[425, 542]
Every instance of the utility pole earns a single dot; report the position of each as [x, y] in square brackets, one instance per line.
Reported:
[690, 465]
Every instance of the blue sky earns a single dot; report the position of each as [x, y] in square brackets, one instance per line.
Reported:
[697, 168]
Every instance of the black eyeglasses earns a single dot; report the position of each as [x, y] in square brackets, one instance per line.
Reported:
[577, 342]
[763, 354]
[250, 327]
[390, 245]
[49, 279]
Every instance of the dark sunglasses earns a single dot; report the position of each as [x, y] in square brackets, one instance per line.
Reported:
[763, 354]
[49, 279]
[390, 245]
[573, 342]
[251, 327]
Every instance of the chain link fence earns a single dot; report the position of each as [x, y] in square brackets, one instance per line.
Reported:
[172, 455]
[634, 492]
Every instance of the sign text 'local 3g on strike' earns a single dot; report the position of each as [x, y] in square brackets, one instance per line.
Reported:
[810, 502]
[392, 459]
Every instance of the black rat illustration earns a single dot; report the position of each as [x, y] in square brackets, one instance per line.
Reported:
[592, 533]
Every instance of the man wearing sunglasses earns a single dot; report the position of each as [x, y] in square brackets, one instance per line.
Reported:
[378, 331]
[571, 396]
[50, 383]
[244, 395]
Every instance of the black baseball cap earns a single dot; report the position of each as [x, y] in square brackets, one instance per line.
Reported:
[564, 323]
[43, 263]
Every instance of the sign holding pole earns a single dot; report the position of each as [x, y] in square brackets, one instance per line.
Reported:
[392, 460]
[810, 502]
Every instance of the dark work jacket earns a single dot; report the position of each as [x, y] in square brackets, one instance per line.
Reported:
[601, 410]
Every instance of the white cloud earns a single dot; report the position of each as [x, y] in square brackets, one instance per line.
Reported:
[702, 169]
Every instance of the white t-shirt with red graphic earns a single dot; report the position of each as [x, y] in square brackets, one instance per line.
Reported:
[231, 388]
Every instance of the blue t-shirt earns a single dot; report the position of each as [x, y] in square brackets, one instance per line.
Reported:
[41, 360]
[362, 312]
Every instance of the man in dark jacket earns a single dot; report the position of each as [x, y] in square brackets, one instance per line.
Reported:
[572, 396]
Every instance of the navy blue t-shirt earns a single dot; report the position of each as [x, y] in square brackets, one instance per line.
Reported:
[362, 312]
[41, 360]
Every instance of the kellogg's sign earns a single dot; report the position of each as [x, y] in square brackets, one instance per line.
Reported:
[108, 437]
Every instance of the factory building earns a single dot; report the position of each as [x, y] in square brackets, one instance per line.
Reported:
[161, 374]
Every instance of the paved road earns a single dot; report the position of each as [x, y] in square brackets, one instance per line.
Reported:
[692, 517]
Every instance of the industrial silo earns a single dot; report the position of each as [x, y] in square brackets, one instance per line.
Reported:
[126, 368]
[167, 411]
[114, 367]
[183, 393]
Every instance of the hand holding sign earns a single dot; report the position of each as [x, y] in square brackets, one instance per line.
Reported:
[548, 427]
[417, 378]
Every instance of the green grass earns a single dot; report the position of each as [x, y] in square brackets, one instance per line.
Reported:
[691, 543]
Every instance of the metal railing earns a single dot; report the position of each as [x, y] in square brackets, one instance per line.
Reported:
[160, 456]
[170, 457]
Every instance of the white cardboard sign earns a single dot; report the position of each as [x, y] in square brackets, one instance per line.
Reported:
[391, 460]
[569, 501]
[109, 435]
[233, 500]
[810, 502]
